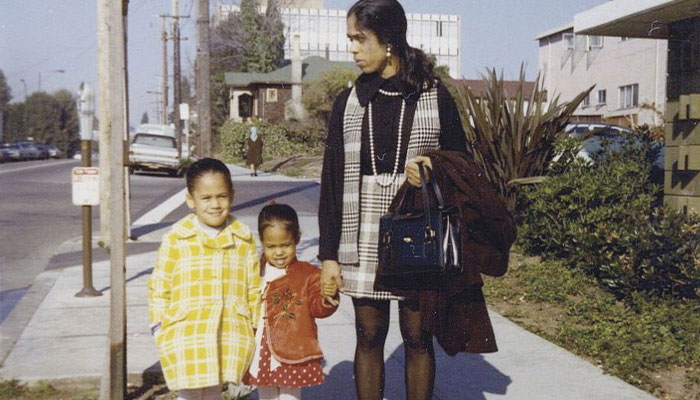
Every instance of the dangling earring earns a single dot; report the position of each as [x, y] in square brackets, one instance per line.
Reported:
[388, 51]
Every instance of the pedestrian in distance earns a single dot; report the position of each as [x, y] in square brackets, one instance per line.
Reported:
[379, 130]
[254, 156]
[288, 356]
[204, 292]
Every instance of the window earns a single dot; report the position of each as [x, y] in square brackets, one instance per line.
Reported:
[629, 96]
[568, 41]
[587, 100]
[438, 28]
[602, 96]
[595, 42]
[271, 96]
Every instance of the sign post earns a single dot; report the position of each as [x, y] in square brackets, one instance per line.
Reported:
[86, 185]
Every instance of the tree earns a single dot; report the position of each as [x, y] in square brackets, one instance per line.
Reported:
[5, 97]
[14, 123]
[144, 117]
[67, 136]
[263, 37]
[320, 93]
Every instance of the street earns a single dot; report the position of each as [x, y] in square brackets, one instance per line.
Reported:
[37, 216]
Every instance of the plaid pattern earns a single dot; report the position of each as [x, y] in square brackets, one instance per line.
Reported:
[352, 133]
[205, 292]
[365, 201]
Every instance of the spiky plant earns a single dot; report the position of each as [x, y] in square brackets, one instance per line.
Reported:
[512, 135]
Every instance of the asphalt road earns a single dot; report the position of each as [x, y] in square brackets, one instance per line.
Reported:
[37, 216]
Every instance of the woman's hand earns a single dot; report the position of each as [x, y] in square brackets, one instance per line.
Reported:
[412, 174]
[330, 281]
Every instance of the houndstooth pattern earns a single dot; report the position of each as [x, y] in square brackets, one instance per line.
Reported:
[365, 201]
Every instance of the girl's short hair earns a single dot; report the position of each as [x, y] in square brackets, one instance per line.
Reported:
[282, 214]
[203, 166]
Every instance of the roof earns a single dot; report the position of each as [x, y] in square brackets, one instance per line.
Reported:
[567, 27]
[479, 86]
[634, 18]
[312, 67]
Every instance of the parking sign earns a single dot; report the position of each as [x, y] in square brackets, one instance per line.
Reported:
[86, 186]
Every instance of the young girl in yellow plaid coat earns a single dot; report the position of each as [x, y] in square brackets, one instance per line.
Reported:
[205, 292]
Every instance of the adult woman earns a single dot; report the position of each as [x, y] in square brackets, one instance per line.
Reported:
[396, 111]
[255, 149]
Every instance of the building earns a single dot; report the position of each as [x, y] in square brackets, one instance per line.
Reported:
[628, 74]
[677, 22]
[322, 32]
[276, 95]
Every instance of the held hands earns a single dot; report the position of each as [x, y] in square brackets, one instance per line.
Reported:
[412, 174]
[331, 282]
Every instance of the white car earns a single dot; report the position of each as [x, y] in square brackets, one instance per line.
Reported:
[154, 152]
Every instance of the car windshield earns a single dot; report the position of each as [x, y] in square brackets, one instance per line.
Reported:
[155, 140]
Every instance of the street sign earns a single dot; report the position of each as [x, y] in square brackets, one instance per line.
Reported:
[184, 111]
[86, 186]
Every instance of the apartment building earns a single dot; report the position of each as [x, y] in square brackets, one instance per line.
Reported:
[629, 75]
[322, 32]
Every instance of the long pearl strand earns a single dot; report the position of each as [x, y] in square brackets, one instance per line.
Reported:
[398, 142]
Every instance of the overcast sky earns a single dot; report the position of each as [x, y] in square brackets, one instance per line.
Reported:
[39, 37]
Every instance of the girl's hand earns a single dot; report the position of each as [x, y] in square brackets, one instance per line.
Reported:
[330, 281]
[412, 174]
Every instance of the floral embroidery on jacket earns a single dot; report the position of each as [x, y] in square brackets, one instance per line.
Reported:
[288, 302]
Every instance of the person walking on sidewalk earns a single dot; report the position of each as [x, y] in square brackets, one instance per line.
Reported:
[254, 156]
[396, 111]
[288, 356]
[205, 290]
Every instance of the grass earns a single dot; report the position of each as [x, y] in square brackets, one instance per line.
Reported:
[14, 390]
[650, 343]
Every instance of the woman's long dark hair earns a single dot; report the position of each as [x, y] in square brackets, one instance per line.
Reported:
[387, 19]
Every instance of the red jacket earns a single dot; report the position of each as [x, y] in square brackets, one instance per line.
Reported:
[292, 302]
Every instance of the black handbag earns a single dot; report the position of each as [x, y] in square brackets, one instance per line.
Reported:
[419, 245]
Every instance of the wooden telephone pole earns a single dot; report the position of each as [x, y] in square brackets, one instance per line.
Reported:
[113, 100]
[202, 78]
[176, 76]
[164, 86]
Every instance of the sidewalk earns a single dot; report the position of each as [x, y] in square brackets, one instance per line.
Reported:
[66, 340]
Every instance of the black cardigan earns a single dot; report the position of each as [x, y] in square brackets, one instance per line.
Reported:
[385, 116]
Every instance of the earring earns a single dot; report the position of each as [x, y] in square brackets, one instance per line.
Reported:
[388, 51]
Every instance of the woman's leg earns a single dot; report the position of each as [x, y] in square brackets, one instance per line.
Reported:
[420, 355]
[268, 392]
[371, 327]
[290, 393]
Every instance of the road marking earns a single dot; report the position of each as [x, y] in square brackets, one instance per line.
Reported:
[157, 214]
[53, 164]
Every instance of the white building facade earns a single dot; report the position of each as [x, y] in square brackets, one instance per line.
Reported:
[322, 32]
[629, 75]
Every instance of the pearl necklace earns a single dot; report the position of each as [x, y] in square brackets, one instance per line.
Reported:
[398, 142]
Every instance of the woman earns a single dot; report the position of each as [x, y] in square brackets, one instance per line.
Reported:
[255, 149]
[396, 111]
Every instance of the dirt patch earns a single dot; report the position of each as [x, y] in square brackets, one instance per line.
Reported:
[308, 167]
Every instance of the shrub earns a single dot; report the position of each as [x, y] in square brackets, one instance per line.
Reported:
[233, 136]
[606, 219]
[512, 135]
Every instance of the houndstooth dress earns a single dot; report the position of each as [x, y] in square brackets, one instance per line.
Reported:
[365, 200]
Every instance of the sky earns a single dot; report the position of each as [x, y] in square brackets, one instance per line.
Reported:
[38, 38]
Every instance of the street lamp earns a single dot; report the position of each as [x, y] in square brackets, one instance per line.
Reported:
[25, 88]
[60, 71]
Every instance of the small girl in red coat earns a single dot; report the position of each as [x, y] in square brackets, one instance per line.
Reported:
[288, 355]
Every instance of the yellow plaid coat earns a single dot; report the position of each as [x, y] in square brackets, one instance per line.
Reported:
[205, 292]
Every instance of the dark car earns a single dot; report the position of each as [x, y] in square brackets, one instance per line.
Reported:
[43, 150]
[54, 151]
[29, 151]
[10, 152]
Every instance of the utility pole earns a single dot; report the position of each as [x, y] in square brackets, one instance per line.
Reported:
[114, 129]
[176, 76]
[203, 79]
[164, 87]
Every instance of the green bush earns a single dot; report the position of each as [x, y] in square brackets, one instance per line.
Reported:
[606, 219]
[278, 142]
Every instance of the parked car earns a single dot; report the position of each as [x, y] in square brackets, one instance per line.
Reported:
[78, 156]
[10, 152]
[54, 151]
[29, 151]
[43, 150]
[614, 136]
[154, 151]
